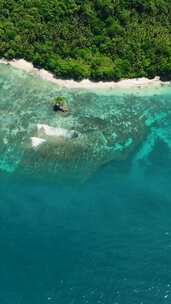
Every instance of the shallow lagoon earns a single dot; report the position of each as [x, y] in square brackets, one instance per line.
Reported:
[91, 226]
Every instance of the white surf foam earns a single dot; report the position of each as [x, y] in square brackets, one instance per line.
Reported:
[37, 141]
[46, 130]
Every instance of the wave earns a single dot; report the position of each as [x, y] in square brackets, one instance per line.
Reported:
[37, 141]
[46, 130]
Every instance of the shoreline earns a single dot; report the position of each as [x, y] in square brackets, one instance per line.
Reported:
[87, 84]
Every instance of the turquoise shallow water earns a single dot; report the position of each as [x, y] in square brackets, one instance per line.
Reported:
[85, 220]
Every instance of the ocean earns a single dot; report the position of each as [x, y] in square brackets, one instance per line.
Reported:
[84, 219]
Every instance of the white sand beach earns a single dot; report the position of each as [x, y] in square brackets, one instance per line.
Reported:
[86, 83]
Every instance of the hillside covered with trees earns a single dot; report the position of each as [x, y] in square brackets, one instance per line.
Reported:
[96, 39]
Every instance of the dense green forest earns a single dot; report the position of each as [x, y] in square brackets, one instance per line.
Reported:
[96, 39]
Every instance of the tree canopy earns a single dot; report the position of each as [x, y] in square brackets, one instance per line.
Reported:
[96, 39]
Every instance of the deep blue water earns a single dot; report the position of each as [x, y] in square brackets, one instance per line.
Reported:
[106, 241]
[102, 234]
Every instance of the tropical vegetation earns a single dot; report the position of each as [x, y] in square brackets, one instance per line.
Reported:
[96, 39]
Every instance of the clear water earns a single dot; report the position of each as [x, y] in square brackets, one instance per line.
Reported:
[85, 220]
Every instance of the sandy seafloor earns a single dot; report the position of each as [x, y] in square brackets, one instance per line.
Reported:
[84, 218]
